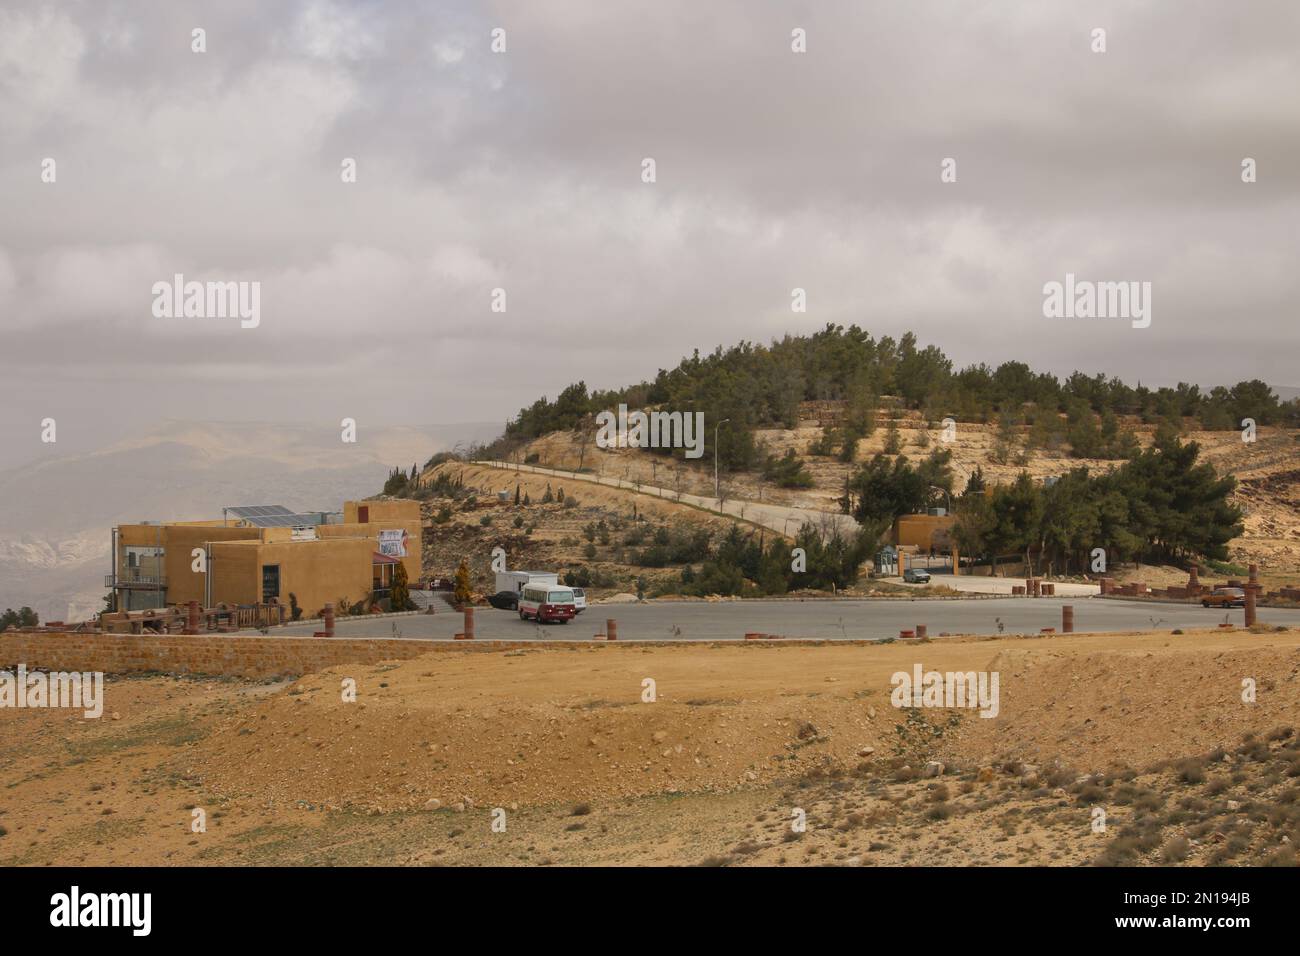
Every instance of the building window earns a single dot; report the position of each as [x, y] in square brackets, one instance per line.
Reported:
[363, 514]
[270, 582]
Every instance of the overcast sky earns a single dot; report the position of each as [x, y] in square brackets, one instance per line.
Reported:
[522, 170]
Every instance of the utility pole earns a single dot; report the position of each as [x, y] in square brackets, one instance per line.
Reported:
[716, 488]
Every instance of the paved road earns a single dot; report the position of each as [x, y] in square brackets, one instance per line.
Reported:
[779, 518]
[808, 619]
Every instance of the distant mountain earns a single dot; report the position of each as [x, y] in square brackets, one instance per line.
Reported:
[56, 515]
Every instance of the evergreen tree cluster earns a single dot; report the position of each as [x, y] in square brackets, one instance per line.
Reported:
[1161, 505]
[23, 617]
[743, 564]
[761, 386]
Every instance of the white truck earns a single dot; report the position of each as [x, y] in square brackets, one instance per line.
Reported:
[516, 580]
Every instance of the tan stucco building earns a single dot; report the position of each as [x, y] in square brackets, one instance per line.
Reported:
[255, 554]
[923, 532]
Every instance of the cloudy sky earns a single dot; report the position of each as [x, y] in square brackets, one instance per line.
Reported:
[522, 170]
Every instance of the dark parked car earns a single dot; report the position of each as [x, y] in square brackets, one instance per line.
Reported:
[505, 600]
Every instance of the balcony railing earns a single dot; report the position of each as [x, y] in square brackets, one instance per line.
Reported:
[131, 578]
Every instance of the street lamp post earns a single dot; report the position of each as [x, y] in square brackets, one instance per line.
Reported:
[949, 500]
[716, 487]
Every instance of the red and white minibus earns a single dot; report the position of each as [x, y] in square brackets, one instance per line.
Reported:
[547, 602]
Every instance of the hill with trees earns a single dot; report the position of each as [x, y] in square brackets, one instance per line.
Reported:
[757, 386]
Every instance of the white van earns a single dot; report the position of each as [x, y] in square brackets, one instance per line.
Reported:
[547, 602]
[516, 581]
[579, 600]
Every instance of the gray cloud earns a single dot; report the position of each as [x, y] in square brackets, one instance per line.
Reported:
[522, 170]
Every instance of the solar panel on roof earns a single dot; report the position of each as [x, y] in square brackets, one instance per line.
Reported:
[258, 511]
[290, 520]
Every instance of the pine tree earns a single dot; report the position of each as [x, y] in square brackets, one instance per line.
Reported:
[462, 594]
[399, 596]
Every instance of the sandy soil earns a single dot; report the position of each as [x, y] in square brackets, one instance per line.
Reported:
[583, 770]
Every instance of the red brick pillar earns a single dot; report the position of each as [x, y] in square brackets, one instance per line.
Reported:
[469, 623]
[1252, 594]
[192, 618]
[329, 620]
[611, 629]
[1067, 618]
[1194, 581]
[920, 630]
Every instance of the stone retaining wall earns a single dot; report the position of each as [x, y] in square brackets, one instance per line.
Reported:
[218, 654]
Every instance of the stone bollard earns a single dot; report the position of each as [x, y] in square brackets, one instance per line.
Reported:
[611, 630]
[192, 618]
[1067, 618]
[1252, 594]
[920, 630]
[329, 620]
[469, 623]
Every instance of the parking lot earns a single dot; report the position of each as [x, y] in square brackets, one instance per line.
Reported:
[822, 619]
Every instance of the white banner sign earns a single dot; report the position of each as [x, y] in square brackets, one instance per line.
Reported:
[393, 543]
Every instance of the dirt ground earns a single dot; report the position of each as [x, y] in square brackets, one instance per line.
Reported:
[740, 743]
